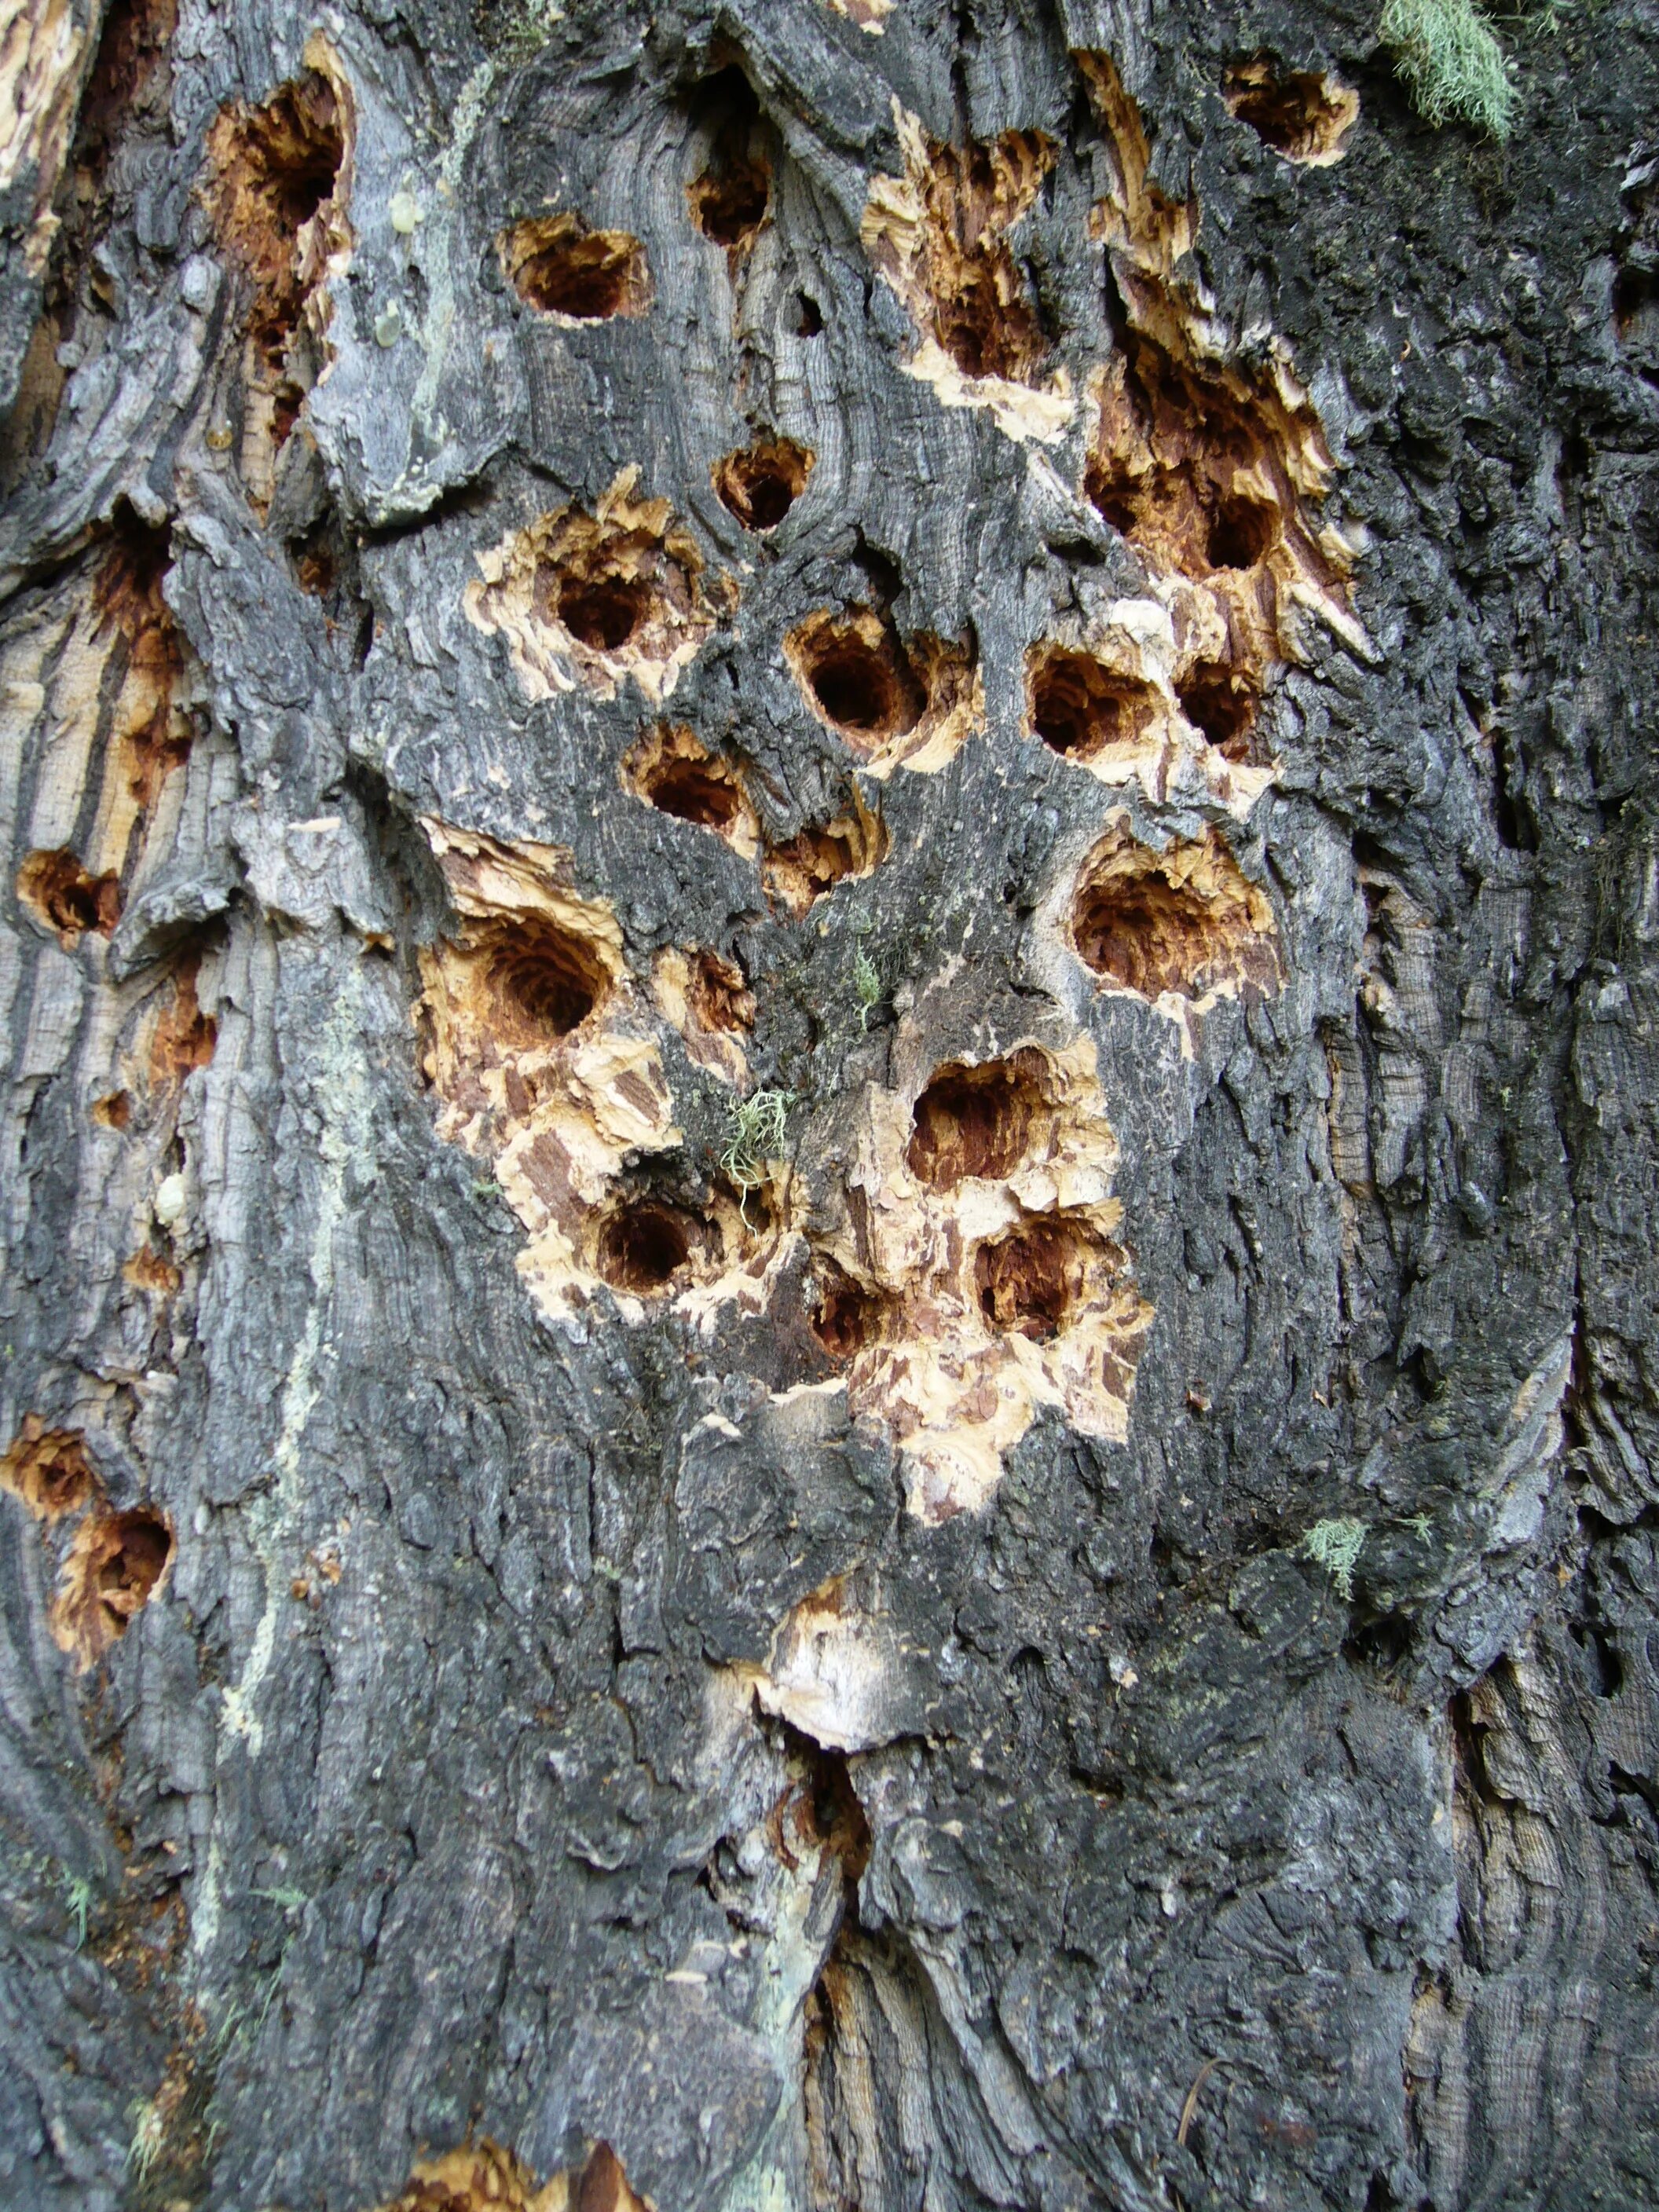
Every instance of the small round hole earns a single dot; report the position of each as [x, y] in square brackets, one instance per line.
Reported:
[760, 485]
[603, 614]
[643, 1247]
[1221, 706]
[1241, 531]
[546, 983]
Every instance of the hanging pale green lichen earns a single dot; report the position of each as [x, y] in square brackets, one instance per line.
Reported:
[1450, 58]
[755, 1137]
[1336, 1546]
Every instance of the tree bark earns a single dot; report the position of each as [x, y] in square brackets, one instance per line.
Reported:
[829, 975]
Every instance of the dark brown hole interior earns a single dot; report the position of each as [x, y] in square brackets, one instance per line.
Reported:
[692, 792]
[837, 1817]
[74, 902]
[127, 589]
[1190, 468]
[719, 996]
[868, 695]
[603, 612]
[314, 567]
[1635, 295]
[984, 333]
[730, 208]
[277, 165]
[974, 1121]
[1241, 531]
[1224, 707]
[1145, 932]
[1114, 502]
[729, 199]
[1030, 1281]
[1295, 114]
[185, 1037]
[588, 274]
[1079, 708]
[546, 983]
[849, 1312]
[138, 1549]
[643, 1247]
[602, 2186]
[809, 322]
[983, 313]
[114, 1565]
[761, 483]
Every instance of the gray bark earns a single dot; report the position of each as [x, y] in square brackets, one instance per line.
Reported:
[1056, 597]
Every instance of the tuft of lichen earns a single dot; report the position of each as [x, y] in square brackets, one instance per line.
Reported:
[1335, 1546]
[1451, 60]
[755, 1135]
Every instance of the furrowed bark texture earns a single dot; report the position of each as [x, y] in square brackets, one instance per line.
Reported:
[830, 961]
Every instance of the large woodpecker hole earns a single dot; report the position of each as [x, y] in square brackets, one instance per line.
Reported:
[603, 612]
[729, 200]
[976, 1121]
[545, 982]
[275, 167]
[1222, 705]
[1030, 1281]
[807, 865]
[557, 265]
[1185, 919]
[943, 245]
[642, 1246]
[48, 1469]
[128, 595]
[1080, 708]
[1304, 115]
[672, 769]
[695, 793]
[67, 897]
[859, 677]
[1146, 934]
[619, 585]
[760, 483]
[114, 1565]
[849, 1312]
[695, 790]
[730, 208]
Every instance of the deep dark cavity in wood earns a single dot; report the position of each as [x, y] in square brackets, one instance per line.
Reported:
[762, 482]
[1028, 1280]
[976, 1121]
[544, 980]
[729, 199]
[1221, 705]
[1080, 706]
[557, 265]
[643, 1247]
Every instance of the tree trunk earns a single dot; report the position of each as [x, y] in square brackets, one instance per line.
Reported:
[830, 968]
